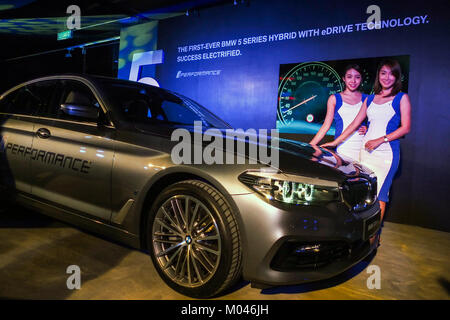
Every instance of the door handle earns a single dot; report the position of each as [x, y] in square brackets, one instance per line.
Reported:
[43, 133]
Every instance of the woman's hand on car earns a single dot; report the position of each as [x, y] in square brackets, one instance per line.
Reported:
[362, 130]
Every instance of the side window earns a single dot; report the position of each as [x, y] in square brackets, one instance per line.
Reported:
[30, 99]
[178, 113]
[43, 96]
[138, 106]
[6, 104]
[21, 101]
[25, 102]
[76, 95]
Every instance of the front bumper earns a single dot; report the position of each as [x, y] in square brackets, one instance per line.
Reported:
[272, 236]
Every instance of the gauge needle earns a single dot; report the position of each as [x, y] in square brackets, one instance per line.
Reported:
[303, 102]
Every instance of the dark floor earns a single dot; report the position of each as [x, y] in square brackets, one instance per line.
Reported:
[35, 252]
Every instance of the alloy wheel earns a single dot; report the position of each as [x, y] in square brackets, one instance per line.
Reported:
[186, 241]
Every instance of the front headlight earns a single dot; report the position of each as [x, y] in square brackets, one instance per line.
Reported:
[291, 189]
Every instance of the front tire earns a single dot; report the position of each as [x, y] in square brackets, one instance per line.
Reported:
[193, 239]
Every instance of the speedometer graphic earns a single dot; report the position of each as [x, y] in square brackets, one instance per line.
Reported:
[304, 89]
[303, 93]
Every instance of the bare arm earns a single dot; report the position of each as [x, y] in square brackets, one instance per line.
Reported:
[331, 104]
[405, 126]
[351, 127]
[405, 113]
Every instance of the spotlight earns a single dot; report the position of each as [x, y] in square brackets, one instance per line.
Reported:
[68, 54]
[235, 2]
[187, 13]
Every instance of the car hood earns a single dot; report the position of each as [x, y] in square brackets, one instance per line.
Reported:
[304, 159]
[294, 157]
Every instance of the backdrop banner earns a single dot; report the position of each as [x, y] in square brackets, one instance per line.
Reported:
[233, 59]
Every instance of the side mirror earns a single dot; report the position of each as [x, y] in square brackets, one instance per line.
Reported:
[78, 110]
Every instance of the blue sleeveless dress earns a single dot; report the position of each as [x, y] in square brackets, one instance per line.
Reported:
[384, 160]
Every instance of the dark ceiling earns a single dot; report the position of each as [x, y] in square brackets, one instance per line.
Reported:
[30, 26]
[51, 8]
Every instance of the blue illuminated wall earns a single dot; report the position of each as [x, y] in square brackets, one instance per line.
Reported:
[134, 41]
[228, 58]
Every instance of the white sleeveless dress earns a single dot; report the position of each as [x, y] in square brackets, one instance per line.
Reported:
[344, 115]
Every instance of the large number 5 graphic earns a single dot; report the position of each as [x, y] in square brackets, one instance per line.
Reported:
[143, 59]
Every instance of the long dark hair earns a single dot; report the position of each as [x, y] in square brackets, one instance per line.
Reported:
[396, 71]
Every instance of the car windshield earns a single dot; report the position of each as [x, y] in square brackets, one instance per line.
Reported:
[145, 104]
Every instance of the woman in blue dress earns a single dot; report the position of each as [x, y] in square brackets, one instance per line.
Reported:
[342, 109]
[389, 118]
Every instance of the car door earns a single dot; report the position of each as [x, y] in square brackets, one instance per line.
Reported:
[17, 110]
[72, 168]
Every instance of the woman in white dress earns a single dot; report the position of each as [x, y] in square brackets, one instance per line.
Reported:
[342, 109]
[389, 115]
